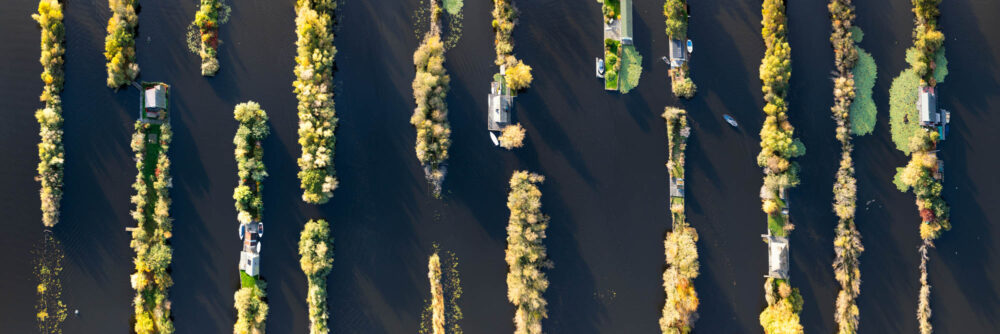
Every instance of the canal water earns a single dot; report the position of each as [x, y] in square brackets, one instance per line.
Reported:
[603, 156]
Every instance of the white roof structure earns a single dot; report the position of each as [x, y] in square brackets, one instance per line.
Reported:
[250, 263]
[156, 97]
[777, 256]
[927, 106]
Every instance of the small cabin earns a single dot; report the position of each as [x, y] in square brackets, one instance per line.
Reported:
[250, 263]
[156, 97]
[500, 104]
[677, 187]
[777, 256]
[678, 53]
[927, 106]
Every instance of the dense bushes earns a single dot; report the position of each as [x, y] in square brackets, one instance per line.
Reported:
[783, 306]
[512, 136]
[517, 74]
[430, 118]
[313, 86]
[208, 19]
[777, 149]
[250, 160]
[675, 12]
[680, 82]
[918, 175]
[251, 310]
[680, 245]
[314, 90]
[526, 253]
[316, 251]
[119, 45]
[154, 225]
[847, 243]
[50, 120]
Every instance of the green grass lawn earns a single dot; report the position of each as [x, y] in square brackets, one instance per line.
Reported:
[246, 280]
[863, 110]
[903, 118]
[631, 68]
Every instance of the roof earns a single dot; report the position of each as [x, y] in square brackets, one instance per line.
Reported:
[777, 256]
[498, 114]
[678, 53]
[676, 187]
[626, 18]
[927, 105]
[156, 97]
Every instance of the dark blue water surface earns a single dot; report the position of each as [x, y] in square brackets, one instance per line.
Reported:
[603, 155]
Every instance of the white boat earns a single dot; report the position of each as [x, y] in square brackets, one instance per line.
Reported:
[690, 46]
[730, 120]
[496, 142]
[599, 66]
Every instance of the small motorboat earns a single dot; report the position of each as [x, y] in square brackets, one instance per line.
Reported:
[665, 60]
[599, 65]
[730, 120]
[243, 231]
[496, 142]
[690, 46]
[260, 229]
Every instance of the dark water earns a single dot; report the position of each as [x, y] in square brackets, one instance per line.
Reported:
[602, 154]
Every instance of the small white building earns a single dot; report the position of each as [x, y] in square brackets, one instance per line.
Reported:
[250, 255]
[156, 97]
[777, 256]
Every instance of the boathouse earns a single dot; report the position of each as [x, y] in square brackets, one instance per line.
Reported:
[777, 256]
[500, 104]
[678, 53]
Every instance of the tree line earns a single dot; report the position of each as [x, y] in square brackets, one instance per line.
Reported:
[314, 90]
[680, 246]
[778, 147]
[151, 279]
[430, 117]
[119, 45]
[51, 153]
[847, 242]
[525, 254]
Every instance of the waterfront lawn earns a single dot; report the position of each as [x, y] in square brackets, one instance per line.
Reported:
[246, 280]
[904, 121]
[631, 68]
